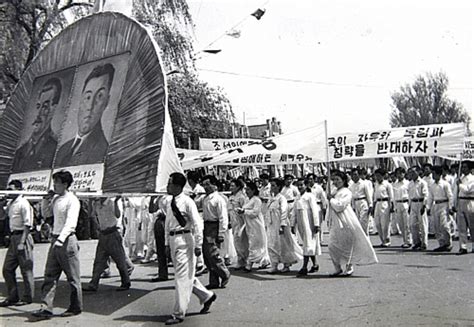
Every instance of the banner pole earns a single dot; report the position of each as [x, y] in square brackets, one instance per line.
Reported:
[328, 187]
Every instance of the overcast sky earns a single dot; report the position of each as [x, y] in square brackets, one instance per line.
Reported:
[349, 56]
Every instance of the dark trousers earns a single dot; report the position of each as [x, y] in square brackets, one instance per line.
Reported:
[64, 258]
[109, 245]
[159, 230]
[212, 259]
[24, 259]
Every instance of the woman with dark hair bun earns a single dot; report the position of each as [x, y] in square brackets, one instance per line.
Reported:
[237, 200]
[348, 243]
[255, 229]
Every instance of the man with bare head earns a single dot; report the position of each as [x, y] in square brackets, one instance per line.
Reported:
[89, 145]
[38, 151]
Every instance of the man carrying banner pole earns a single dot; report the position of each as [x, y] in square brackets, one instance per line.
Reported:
[184, 237]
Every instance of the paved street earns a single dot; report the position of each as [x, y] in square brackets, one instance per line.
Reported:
[404, 289]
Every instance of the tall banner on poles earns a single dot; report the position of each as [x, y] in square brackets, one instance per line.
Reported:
[92, 102]
[416, 141]
[308, 146]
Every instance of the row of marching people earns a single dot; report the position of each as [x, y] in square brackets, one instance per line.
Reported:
[417, 202]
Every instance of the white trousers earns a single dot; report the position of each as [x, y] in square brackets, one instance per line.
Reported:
[401, 216]
[182, 254]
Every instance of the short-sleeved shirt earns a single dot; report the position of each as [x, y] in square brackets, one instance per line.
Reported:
[20, 214]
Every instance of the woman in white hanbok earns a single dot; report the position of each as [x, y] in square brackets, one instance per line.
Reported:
[237, 199]
[306, 214]
[348, 244]
[282, 247]
[255, 229]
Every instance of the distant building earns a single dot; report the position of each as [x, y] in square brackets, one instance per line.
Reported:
[271, 128]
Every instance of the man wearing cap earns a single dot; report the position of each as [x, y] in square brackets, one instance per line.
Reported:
[183, 230]
[20, 249]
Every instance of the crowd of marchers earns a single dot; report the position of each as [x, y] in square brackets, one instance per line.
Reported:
[204, 225]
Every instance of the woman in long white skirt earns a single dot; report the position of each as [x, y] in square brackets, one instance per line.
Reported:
[237, 199]
[282, 247]
[255, 229]
[348, 244]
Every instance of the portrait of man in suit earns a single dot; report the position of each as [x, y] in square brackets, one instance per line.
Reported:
[38, 151]
[89, 145]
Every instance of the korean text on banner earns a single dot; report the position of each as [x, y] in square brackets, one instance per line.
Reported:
[310, 142]
[426, 140]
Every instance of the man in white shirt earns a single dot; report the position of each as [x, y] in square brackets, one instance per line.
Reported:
[216, 221]
[465, 205]
[428, 178]
[361, 199]
[291, 193]
[418, 199]
[401, 200]
[63, 254]
[383, 204]
[440, 204]
[197, 194]
[20, 249]
[183, 239]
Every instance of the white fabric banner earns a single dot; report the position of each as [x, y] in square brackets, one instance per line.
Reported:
[416, 141]
[468, 152]
[224, 144]
[308, 145]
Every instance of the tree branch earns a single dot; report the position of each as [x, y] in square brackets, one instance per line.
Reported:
[75, 4]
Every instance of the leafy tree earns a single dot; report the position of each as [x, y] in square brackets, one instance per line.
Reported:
[171, 23]
[36, 22]
[426, 102]
[197, 110]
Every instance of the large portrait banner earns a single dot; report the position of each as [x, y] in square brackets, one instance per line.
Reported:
[94, 102]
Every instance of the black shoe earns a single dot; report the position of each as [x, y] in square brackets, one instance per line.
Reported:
[462, 251]
[212, 287]
[416, 247]
[45, 314]
[89, 288]
[159, 279]
[302, 272]
[224, 282]
[173, 321]
[123, 287]
[314, 268]
[423, 248]
[7, 303]
[70, 313]
[207, 304]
